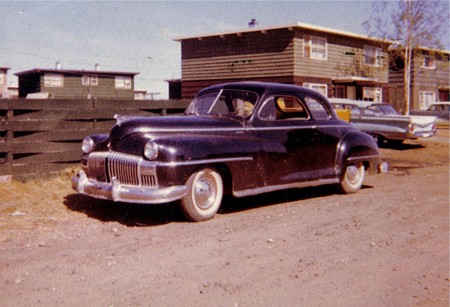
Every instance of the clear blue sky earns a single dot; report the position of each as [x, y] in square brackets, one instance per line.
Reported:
[138, 36]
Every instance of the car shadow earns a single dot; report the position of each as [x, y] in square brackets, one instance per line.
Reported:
[132, 215]
[232, 205]
[138, 215]
[401, 146]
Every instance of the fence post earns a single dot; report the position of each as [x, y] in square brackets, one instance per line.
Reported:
[9, 153]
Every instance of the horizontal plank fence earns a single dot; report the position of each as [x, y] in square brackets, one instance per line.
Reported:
[44, 136]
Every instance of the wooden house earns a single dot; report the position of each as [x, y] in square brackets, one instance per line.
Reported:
[430, 78]
[67, 84]
[337, 63]
[3, 81]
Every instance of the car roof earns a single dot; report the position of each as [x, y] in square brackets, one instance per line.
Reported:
[262, 87]
[359, 103]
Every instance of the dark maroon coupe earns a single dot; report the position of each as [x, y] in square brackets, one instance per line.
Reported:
[242, 138]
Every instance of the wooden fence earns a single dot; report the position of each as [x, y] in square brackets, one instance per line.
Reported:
[44, 136]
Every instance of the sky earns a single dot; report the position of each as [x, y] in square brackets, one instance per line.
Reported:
[138, 36]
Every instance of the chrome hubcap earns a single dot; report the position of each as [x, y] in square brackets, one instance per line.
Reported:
[204, 192]
[352, 173]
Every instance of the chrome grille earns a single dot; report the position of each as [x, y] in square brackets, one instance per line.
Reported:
[127, 169]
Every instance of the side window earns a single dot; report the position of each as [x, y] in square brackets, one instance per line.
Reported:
[288, 107]
[355, 110]
[267, 111]
[316, 108]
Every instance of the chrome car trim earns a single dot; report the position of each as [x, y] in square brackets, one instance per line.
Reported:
[127, 169]
[119, 192]
[294, 185]
[362, 157]
[153, 130]
[203, 161]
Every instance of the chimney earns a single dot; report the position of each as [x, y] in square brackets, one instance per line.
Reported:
[252, 23]
[58, 65]
[97, 67]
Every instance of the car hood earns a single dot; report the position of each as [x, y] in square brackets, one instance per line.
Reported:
[177, 124]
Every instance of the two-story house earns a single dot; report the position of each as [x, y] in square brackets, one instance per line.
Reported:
[336, 63]
[3, 82]
[67, 84]
[430, 78]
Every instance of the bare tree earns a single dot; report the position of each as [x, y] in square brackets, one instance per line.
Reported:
[411, 25]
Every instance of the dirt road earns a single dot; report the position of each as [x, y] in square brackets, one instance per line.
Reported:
[387, 245]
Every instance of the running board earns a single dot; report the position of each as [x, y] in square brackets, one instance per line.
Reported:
[295, 185]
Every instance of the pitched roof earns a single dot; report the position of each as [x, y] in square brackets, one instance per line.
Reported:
[75, 72]
[298, 25]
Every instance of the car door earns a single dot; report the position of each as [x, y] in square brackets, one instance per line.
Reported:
[298, 146]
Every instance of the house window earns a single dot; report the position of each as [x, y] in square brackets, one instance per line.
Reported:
[123, 82]
[85, 80]
[89, 80]
[372, 56]
[315, 47]
[94, 80]
[372, 94]
[321, 88]
[428, 62]
[53, 80]
[426, 98]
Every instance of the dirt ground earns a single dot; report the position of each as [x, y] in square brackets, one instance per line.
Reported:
[387, 245]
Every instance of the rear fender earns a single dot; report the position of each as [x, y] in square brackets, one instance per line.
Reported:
[357, 148]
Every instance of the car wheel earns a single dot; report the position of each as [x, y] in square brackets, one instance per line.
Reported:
[205, 192]
[353, 179]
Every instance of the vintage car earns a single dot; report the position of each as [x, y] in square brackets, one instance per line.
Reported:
[382, 121]
[242, 138]
[440, 109]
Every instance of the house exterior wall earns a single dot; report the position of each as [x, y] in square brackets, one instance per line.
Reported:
[277, 55]
[431, 80]
[72, 86]
[345, 57]
[3, 81]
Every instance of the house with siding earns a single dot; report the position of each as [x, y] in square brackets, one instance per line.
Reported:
[430, 78]
[68, 84]
[3, 82]
[336, 63]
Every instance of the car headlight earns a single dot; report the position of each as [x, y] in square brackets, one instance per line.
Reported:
[151, 150]
[88, 145]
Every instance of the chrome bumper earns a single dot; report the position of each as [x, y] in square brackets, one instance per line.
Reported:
[116, 191]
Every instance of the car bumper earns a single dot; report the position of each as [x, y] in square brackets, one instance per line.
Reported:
[125, 193]
[424, 134]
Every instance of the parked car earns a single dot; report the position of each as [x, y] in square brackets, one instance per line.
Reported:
[241, 138]
[439, 109]
[382, 121]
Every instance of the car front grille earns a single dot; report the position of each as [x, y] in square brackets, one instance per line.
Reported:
[127, 169]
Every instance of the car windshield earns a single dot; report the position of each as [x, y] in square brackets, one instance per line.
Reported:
[223, 102]
[384, 109]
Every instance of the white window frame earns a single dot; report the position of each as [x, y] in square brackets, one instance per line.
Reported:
[426, 61]
[89, 80]
[53, 80]
[122, 82]
[85, 80]
[374, 94]
[94, 80]
[315, 47]
[372, 55]
[318, 87]
[426, 98]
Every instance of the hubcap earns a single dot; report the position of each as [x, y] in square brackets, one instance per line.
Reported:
[352, 173]
[204, 192]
